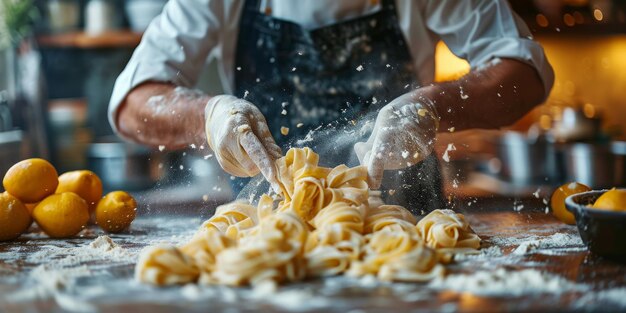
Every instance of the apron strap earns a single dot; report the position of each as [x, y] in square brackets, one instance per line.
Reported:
[253, 5]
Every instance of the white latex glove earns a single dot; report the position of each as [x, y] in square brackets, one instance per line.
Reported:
[238, 135]
[403, 135]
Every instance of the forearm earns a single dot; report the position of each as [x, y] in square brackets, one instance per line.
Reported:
[158, 114]
[492, 97]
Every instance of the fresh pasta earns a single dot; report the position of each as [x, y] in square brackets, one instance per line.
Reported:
[447, 229]
[165, 265]
[324, 222]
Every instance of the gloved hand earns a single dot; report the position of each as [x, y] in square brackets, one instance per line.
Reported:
[239, 136]
[403, 135]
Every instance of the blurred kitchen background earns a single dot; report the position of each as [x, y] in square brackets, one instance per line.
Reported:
[59, 60]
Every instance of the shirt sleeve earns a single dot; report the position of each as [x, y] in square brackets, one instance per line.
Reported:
[173, 49]
[481, 30]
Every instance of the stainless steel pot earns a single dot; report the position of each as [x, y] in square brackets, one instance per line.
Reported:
[595, 165]
[527, 161]
[618, 148]
[574, 125]
[124, 166]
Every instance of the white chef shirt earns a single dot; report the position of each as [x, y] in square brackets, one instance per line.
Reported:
[178, 42]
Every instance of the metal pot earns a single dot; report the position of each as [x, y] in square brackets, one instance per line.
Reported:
[124, 166]
[595, 165]
[574, 125]
[526, 161]
[618, 148]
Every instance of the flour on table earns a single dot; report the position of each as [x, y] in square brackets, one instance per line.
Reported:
[45, 281]
[104, 244]
[293, 299]
[615, 296]
[483, 254]
[504, 283]
[101, 249]
[48, 282]
[558, 240]
[60, 265]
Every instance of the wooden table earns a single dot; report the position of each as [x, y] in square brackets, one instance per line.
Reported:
[110, 287]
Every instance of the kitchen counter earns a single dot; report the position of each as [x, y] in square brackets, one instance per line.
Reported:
[38, 274]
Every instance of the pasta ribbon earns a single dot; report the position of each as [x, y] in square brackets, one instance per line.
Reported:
[349, 216]
[343, 239]
[326, 222]
[165, 265]
[232, 218]
[273, 253]
[205, 246]
[385, 215]
[447, 229]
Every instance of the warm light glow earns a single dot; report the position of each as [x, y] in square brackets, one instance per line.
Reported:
[556, 112]
[447, 65]
[580, 19]
[541, 20]
[569, 20]
[545, 122]
[590, 70]
[589, 110]
[597, 14]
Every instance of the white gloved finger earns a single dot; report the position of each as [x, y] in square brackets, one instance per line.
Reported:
[272, 148]
[261, 158]
[228, 151]
[262, 130]
[361, 149]
[375, 165]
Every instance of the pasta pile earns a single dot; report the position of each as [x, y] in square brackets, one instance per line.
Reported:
[326, 223]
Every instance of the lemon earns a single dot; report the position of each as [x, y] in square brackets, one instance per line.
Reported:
[30, 207]
[116, 211]
[62, 215]
[612, 200]
[86, 184]
[557, 202]
[31, 180]
[14, 218]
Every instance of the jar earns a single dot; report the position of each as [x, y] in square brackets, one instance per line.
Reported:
[63, 15]
[99, 17]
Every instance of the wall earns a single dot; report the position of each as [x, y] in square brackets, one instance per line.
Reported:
[591, 70]
[587, 70]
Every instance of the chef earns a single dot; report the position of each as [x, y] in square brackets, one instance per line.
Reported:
[291, 68]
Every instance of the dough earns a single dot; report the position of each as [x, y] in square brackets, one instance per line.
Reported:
[326, 222]
[447, 229]
[165, 265]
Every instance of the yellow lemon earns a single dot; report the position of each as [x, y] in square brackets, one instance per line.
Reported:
[30, 207]
[14, 218]
[62, 215]
[116, 211]
[31, 180]
[86, 184]
[557, 202]
[612, 200]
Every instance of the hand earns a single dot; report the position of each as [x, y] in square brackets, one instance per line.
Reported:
[403, 135]
[238, 135]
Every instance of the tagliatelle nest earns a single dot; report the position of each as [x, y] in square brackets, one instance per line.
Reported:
[327, 223]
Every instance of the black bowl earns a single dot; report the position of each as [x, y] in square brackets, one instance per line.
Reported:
[603, 231]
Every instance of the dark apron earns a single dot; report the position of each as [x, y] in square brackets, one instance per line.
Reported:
[331, 80]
